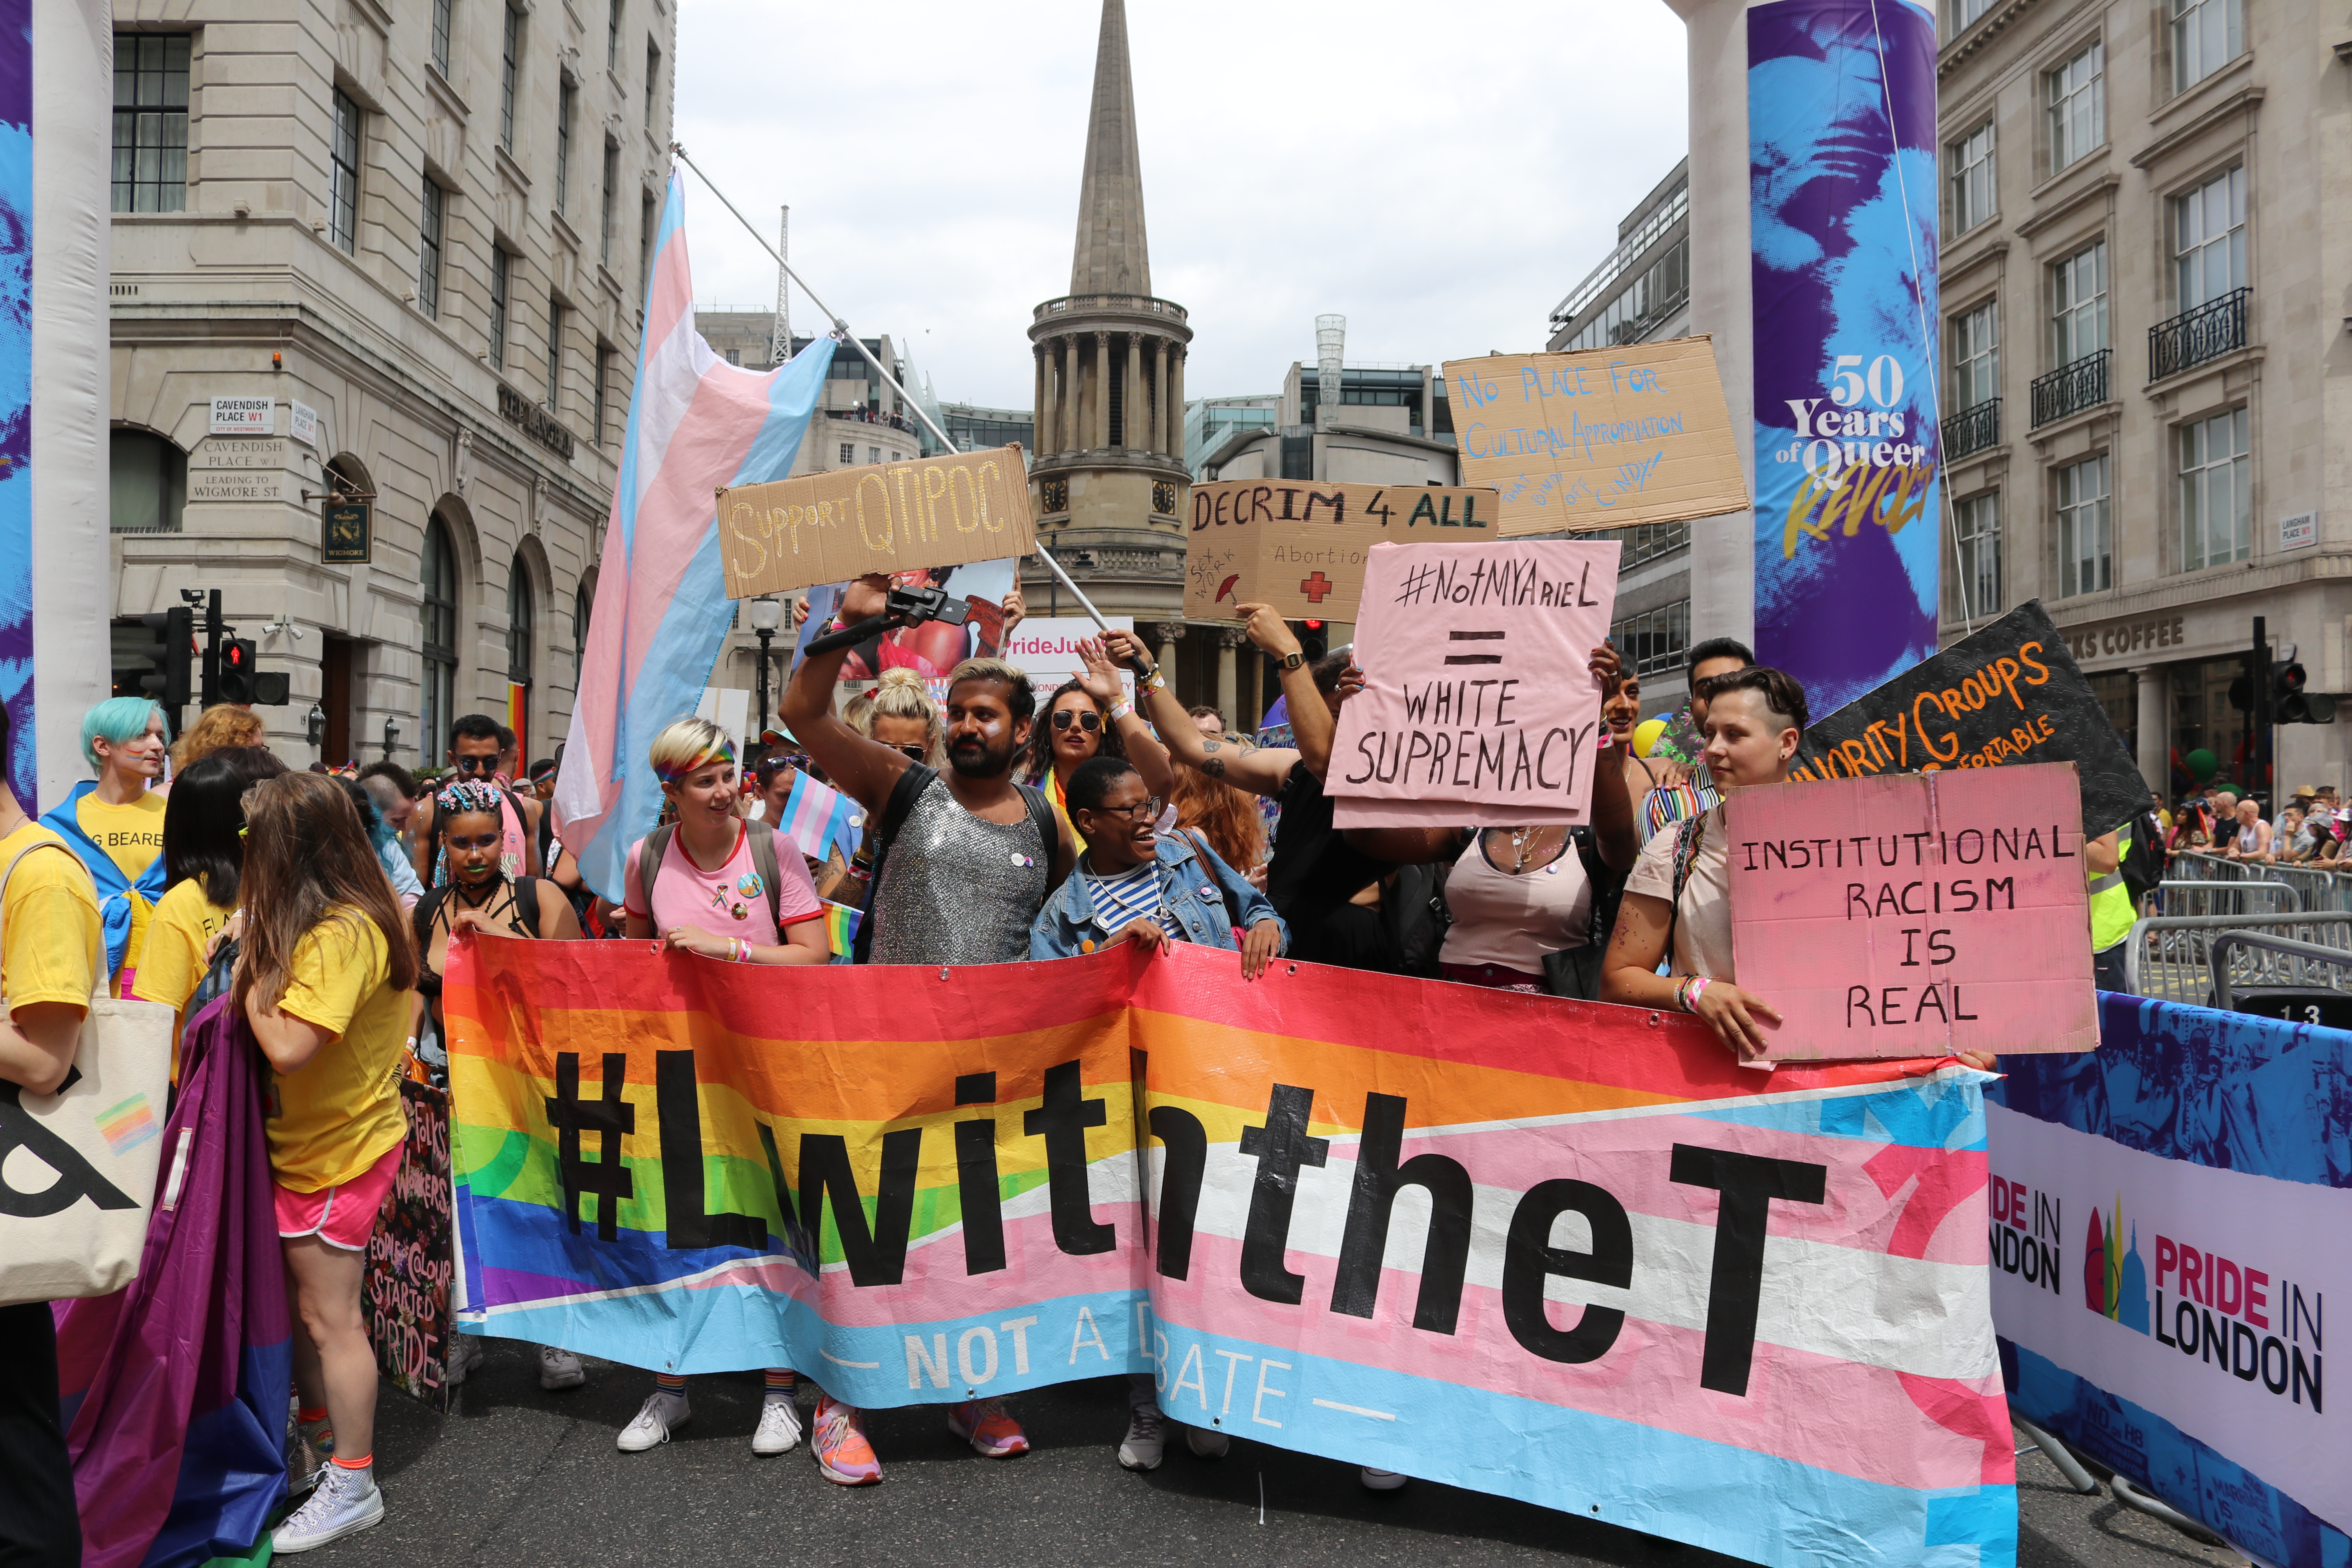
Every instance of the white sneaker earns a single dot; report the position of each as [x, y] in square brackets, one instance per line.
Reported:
[1146, 1438]
[559, 1369]
[1380, 1481]
[463, 1354]
[661, 1415]
[780, 1427]
[1206, 1443]
[345, 1502]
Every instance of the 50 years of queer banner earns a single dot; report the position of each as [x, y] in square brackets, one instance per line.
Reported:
[1559, 1251]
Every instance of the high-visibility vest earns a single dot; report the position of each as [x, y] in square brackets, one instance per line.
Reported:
[2111, 902]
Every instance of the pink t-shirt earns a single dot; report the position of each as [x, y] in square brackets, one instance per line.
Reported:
[727, 899]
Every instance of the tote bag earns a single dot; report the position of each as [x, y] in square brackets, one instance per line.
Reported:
[77, 1167]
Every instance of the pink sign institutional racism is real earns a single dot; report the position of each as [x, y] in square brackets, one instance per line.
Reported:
[1913, 914]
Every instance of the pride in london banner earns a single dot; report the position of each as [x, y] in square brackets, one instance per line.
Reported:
[2170, 1219]
[1558, 1251]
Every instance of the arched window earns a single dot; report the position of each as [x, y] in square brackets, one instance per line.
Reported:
[583, 604]
[519, 629]
[438, 617]
[147, 483]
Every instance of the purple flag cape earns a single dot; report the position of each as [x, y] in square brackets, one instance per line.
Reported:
[175, 1388]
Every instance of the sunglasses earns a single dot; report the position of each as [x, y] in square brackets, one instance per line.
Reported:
[777, 761]
[1087, 720]
[912, 752]
[475, 764]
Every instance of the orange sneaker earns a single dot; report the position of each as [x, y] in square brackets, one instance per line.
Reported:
[991, 1433]
[843, 1455]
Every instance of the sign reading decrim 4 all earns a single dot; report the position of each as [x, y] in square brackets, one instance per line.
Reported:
[1301, 546]
[1605, 438]
[884, 517]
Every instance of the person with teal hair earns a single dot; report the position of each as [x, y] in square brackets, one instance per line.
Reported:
[115, 822]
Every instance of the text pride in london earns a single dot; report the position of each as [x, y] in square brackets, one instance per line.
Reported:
[1659, 1289]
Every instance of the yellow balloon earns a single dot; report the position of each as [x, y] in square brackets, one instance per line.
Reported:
[1645, 735]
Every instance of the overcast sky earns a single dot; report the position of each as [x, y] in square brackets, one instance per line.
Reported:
[1439, 174]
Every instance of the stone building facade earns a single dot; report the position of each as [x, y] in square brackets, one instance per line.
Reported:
[406, 241]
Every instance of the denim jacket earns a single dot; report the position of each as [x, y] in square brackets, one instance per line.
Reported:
[1193, 882]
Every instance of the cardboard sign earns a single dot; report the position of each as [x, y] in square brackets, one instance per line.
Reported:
[2010, 693]
[884, 517]
[1915, 914]
[409, 1261]
[1605, 438]
[1301, 546]
[1471, 656]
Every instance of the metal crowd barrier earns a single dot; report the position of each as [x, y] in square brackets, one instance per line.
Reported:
[2170, 958]
[2204, 901]
[2301, 981]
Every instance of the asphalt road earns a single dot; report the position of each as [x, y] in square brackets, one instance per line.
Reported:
[516, 1478]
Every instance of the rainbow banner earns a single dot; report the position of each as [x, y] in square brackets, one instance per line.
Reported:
[1558, 1251]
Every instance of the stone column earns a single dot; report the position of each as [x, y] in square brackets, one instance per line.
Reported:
[1037, 394]
[1169, 424]
[1099, 435]
[1134, 426]
[1176, 395]
[1049, 408]
[2155, 692]
[1168, 634]
[1229, 640]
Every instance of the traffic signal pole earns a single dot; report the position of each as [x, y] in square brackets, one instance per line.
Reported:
[211, 648]
[2260, 715]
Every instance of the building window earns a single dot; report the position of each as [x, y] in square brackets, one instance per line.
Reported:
[510, 77]
[437, 620]
[2084, 547]
[2217, 514]
[849, 454]
[150, 123]
[1972, 178]
[1642, 542]
[653, 86]
[646, 220]
[565, 97]
[2206, 35]
[554, 353]
[2078, 304]
[613, 37]
[344, 174]
[2078, 107]
[583, 604]
[1976, 356]
[873, 454]
[1653, 640]
[147, 483]
[519, 623]
[1649, 299]
[611, 193]
[2209, 240]
[735, 356]
[604, 376]
[1976, 539]
[442, 20]
[1964, 12]
[502, 268]
[428, 249]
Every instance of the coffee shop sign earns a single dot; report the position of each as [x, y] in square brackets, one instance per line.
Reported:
[2124, 637]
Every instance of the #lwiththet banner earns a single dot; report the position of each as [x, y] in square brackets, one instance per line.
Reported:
[1634, 1281]
[1841, 177]
[2167, 1219]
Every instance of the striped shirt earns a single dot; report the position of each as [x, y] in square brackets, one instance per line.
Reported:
[1670, 803]
[1120, 902]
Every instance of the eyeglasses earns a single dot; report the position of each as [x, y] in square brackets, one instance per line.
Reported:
[475, 764]
[1142, 811]
[913, 752]
[1085, 720]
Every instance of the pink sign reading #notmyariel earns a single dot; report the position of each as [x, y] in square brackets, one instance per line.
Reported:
[1478, 707]
[1913, 914]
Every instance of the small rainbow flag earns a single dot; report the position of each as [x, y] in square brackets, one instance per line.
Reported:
[840, 926]
[128, 1125]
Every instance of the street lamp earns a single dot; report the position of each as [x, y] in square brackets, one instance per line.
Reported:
[767, 615]
[390, 736]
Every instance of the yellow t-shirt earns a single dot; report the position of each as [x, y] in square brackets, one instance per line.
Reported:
[52, 946]
[183, 925]
[339, 1113]
[133, 837]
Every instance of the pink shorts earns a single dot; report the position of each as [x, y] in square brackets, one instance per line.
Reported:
[340, 1216]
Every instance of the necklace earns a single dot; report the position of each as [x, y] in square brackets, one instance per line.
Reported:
[1520, 838]
[488, 893]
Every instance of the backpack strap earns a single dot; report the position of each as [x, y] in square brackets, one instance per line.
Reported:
[649, 860]
[98, 961]
[1049, 828]
[526, 903]
[903, 795]
[1688, 834]
[763, 860]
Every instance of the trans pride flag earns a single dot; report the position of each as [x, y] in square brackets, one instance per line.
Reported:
[821, 819]
[1627, 1279]
[695, 424]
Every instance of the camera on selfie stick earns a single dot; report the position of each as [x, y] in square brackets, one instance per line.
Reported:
[908, 608]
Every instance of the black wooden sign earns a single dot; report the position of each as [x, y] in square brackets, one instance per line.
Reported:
[2011, 693]
[347, 534]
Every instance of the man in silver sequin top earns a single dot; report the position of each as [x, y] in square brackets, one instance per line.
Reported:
[972, 861]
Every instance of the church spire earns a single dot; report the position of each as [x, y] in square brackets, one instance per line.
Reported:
[1111, 256]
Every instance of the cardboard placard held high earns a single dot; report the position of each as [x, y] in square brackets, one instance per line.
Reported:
[881, 517]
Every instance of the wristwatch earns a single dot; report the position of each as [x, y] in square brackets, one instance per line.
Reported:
[1155, 682]
[1291, 661]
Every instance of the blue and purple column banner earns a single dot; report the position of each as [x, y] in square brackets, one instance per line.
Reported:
[1843, 224]
[17, 393]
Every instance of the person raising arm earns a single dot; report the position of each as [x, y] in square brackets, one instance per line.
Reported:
[1314, 712]
[1088, 718]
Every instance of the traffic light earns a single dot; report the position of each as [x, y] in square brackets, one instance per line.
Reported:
[2291, 704]
[1314, 640]
[237, 656]
[172, 653]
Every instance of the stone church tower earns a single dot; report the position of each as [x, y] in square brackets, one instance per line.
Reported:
[1109, 482]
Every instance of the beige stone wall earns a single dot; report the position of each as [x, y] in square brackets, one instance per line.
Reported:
[205, 297]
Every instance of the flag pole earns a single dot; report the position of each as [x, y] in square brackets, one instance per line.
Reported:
[841, 331]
